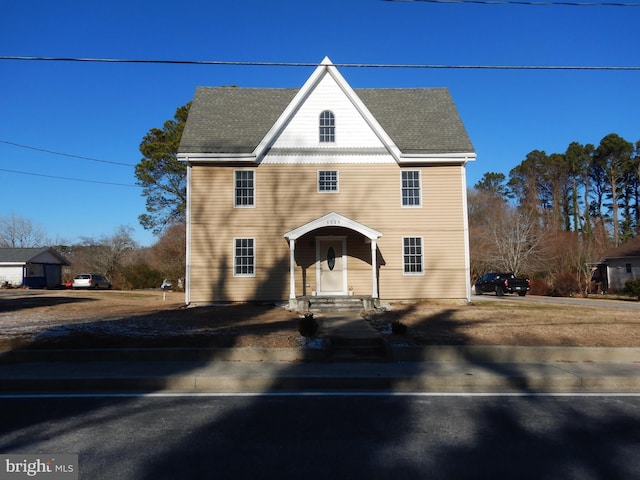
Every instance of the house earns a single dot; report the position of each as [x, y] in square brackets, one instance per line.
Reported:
[618, 265]
[325, 190]
[31, 267]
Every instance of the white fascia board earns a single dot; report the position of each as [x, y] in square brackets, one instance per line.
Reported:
[333, 219]
[462, 158]
[216, 157]
[364, 111]
[302, 94]
[326, 67]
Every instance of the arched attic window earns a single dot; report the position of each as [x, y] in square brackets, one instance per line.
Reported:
[327, 127]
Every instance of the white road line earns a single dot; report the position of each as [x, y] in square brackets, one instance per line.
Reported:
[317, 394]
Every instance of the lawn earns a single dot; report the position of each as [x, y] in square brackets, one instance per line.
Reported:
[82, 319]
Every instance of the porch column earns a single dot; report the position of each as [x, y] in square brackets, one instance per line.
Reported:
[292, 270]
[374, 268]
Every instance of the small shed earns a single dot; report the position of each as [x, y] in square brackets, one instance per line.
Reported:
[620, 264]
[31, 267]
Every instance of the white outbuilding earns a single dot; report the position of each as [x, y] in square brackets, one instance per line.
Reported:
[31, 267]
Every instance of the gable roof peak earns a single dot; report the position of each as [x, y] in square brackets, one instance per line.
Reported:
[326, 68]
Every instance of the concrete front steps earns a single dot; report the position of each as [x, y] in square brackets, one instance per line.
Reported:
[339, 303]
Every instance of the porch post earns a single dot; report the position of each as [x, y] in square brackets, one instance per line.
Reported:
[374, 268]
[292, 280]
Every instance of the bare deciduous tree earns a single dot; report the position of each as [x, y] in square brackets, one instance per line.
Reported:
[106, 254]
[170, 251]
[18, 232]
[517, 243]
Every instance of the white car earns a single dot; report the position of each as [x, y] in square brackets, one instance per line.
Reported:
[90, 280]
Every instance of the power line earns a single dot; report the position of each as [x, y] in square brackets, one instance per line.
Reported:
[66, 154]
[68, 178]
[312, 64]
[515, 2]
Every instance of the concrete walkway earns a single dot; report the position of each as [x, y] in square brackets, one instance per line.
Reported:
[348, 326]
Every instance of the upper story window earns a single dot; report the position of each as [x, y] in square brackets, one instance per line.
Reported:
[244, 188]
[327, 127]
[328, 181]
[411, 188]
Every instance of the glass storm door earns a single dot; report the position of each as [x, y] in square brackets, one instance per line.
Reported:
[332, 268]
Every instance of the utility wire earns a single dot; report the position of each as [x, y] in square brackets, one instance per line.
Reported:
[68, 178]
[66, 154]
[516, 2]
[311, 64]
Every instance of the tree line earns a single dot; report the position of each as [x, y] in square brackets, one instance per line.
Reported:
[556, 214]
[117, 256]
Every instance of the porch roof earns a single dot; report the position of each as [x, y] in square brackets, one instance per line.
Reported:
[333, 219]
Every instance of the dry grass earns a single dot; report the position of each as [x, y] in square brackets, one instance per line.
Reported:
[135, 319]
[517, 323]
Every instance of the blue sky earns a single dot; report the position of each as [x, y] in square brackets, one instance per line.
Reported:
[103, 110]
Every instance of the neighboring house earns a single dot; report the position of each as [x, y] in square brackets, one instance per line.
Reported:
[31, 267]
[618, 265]
[325, 191]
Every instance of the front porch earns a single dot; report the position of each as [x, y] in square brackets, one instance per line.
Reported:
[330, 253]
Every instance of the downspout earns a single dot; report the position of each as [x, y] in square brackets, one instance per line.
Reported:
[465, 213]
[187, 272]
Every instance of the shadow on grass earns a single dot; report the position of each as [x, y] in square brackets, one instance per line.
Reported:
[201, 327]
[26, 302]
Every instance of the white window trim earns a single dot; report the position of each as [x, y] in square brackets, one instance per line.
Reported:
[337, 190]
[255, 256]
[255, 199]
[419, 190]
[421, 272]
[335, 130]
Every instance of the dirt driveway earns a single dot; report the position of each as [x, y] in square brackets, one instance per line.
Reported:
[81, 319]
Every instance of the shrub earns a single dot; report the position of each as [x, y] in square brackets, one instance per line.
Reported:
[539, 287]
[398, 328]
[140, 275]
[632, 287]
[565, 284]
[308, 325]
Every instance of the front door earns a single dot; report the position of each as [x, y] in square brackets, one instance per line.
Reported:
[331, 266]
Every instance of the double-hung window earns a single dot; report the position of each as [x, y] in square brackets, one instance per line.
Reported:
[411, 190]
[412, 255]
[328, 181]
[244, 258]
[245, 188]
[327, 127]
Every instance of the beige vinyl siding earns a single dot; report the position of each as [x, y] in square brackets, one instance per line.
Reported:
[287, 197]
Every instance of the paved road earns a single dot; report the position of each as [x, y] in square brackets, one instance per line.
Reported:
[593, 301]
[320, 437]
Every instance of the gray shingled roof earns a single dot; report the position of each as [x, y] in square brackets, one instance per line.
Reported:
[235, 120]
[628, 249]
[24, 255]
